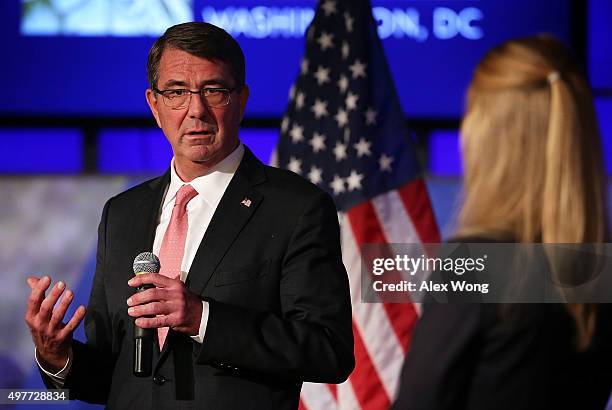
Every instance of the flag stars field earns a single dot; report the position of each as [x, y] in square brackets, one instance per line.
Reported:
[370, 116]
[317, 142]
[285, 124]
[292, 93]
[337, 185]
[348, 22]
[310, 33]
[315, 175]
[354, 180]
[363, 148]
[304, 67]
[385, 162]
[322, 75]
[343, 83]
[319, 108]
[340, 151]
[329, 7]
[299, 100]
[296, 133]
[295, 165]
[351, 101]
[326, 41]
[345, 50]
[358, 69]
[341, 117]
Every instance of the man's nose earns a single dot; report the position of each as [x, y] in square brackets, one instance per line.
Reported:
[198, 108]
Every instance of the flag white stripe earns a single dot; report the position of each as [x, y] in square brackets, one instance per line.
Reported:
[316, 396]
[371, 320]
[394, 218]
[346, 397]
[397, 224]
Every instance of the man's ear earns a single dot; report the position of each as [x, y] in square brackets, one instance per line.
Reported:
[243, 98]
[152, 101]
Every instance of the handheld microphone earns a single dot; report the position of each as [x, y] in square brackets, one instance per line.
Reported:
[146, 262]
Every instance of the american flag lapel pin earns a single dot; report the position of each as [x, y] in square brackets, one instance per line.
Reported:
[246, 202]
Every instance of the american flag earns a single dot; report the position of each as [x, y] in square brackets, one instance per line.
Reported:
[344, 130]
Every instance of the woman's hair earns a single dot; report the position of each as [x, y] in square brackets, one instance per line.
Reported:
[532, 154]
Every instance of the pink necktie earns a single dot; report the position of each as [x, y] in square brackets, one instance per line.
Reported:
[173, 245]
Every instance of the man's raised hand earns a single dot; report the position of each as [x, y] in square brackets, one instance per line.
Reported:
[45, 319]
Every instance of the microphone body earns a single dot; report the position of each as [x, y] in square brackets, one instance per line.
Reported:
[145, 262]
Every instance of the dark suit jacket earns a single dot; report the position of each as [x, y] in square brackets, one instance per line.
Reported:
[272, 272]
[476, 356]
[483, 357]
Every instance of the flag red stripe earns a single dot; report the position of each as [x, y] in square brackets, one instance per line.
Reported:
[365, 380]
[372, 321]
[367, 229]
[415, 197]
[365, 225]
[403, 316]
[334, 391]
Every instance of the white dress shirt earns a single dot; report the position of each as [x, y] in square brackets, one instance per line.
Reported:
[200, 210]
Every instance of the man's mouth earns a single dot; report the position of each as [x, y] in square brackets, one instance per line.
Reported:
[200, 133]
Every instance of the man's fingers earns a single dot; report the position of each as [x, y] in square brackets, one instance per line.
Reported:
[73, 322]
[46, 307]
[156, 279]
[60, 311]
[149, 309]
[32, 281]
[153, 322]
[36, 296]
[147, 296]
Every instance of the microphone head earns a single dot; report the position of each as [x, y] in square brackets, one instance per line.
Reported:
[146, 262]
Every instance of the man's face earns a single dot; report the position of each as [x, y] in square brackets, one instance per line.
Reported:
[200, 136]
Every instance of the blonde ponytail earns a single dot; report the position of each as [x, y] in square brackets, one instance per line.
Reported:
[563, 194]
[532, 154]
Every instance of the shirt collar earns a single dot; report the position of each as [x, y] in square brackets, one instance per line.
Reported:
[211, 186]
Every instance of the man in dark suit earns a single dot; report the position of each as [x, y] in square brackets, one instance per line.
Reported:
[252, 299]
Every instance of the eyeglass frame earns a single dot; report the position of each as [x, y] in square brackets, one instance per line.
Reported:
[191, 93]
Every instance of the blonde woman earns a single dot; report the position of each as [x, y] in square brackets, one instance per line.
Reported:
[533, 173]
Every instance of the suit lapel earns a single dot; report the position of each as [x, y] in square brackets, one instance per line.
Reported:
[147, 216]
[238, 204]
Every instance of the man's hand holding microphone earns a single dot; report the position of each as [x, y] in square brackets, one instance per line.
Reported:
[159, 302]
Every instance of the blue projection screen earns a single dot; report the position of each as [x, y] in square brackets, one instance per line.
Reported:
[600, 46]
[87, 57]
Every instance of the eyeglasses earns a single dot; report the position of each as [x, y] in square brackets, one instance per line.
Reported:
[180, 98]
